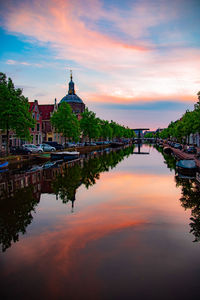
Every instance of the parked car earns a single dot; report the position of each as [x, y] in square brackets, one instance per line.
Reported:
[55, 145]
[33, 148]
[80, 144]
[47, 147]
[178, 146]
[90, 144]
[20, 150]
[191, 150]
[99, 143]
[69, 145]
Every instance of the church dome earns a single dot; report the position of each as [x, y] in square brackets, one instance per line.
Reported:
[71, 97]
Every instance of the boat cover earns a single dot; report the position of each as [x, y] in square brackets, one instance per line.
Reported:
[186, 163]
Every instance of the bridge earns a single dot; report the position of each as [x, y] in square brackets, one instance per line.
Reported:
[138, 131]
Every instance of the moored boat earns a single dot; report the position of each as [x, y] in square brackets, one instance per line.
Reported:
[66, 155]
[116, 144]
[167, 150]
[186, 166]
[3, 165]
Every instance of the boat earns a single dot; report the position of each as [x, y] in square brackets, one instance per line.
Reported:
[49, 164]
[34, 169]
[198, 177]
[116, 144]
[3, 165]
[66, 155]
[42, 156]
[186, 166]
[167, 150]
[3, 170]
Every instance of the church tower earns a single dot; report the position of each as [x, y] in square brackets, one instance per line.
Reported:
[71, 90]
[72, 99]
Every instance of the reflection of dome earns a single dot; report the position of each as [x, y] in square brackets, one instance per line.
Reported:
[71, 98]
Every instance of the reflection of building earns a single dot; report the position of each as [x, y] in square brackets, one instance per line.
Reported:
[19, 181]
[73, 100]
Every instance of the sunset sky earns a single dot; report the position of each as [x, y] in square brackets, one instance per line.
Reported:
[136, 62]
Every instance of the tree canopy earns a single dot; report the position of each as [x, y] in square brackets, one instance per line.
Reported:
[65, 122]
[187, 124]
[14, 110]
[89, 124]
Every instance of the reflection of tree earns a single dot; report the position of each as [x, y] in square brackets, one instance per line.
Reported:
[16, 211]
[15, 216]
[170, 161]
[67, 183]
[190, 199]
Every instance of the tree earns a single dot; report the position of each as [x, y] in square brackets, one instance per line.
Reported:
[90, 124]
[149, 135]
[197, 105]
[106, 130]
[14, 111]
[65, 122]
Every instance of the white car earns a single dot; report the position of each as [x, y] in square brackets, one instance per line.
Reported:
[33, 148]
[47, 147]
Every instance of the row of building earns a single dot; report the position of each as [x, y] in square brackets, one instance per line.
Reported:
[42, 113]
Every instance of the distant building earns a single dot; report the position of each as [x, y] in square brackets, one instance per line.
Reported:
[43, 130]
[46, 111]
[36, 132]
[73, 100]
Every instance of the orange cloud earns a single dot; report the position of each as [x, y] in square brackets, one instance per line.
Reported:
[135, 67]
[105, 98]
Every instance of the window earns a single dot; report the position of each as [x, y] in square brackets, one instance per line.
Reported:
[33, 115]
[38, 127]
[38, 116]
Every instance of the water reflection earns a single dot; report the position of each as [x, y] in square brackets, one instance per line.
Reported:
[190, 194]
[86, 173]
[126, 240]
[20, 191]
[190, 199]
[15, 215]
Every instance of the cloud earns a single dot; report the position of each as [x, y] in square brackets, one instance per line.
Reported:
[24, 63]
[131, 52]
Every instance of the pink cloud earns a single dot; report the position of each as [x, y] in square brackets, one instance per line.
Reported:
[135, 69]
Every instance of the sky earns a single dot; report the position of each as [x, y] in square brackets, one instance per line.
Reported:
[136, 62]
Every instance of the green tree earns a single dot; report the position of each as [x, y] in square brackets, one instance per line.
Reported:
[89, 125]
[149, 135]
[14, 111]
[105, 129]
[65, 122]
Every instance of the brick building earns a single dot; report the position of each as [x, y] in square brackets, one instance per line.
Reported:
[36, 132]
[46, 111]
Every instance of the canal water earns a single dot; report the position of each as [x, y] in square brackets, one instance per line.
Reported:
[118, 225]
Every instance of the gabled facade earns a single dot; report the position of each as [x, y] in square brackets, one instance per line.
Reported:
[46, 111]
[36, 132]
